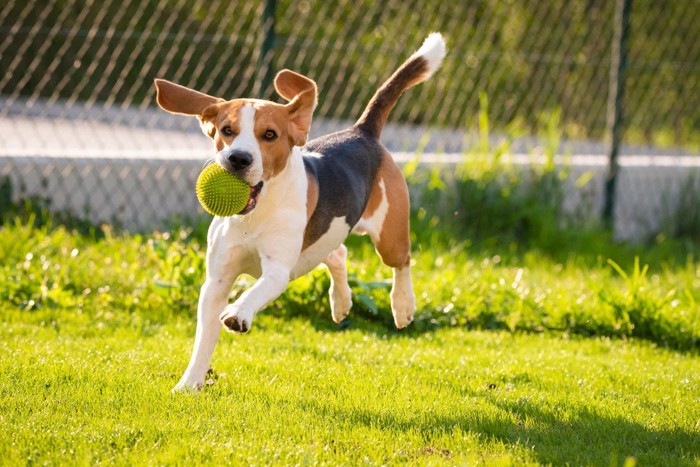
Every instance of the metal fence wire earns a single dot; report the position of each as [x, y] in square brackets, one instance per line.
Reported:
[78, 122]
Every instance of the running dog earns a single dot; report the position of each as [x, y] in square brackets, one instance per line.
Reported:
[305, 198]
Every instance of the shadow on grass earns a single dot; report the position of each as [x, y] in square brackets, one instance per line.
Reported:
[586, 437]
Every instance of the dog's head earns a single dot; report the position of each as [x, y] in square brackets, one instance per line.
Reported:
[254, 138]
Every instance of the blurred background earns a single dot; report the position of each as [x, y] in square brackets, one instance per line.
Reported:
[591, 106]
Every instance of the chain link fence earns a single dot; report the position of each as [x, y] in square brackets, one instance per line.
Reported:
[78, 123]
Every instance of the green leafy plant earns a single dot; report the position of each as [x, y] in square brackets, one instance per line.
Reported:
[641, 310]
[489, 198]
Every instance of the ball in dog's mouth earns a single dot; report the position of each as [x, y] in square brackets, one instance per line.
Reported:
[253, 199]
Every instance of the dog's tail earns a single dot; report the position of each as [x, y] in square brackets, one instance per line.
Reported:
[419, 67]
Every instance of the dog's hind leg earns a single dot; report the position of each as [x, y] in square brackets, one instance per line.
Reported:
[403, 300]
[386, 220]
[340, 294]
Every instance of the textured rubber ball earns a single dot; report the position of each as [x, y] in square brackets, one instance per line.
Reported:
[220, 192]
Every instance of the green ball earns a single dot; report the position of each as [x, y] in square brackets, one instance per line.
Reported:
[220, 192]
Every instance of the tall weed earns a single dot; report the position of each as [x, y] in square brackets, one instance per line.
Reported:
[489, 198]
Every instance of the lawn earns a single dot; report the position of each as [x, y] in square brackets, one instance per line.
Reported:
[518, 355]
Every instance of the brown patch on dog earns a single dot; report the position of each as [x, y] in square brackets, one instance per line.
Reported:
[182, 100]
[311, 202]
[275, 153]
[311, 196]
[301, 92]
[394, 242]
[375, 197]
[210, 124]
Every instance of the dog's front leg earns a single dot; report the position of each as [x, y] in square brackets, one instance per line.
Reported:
[223, 268]
[239, 315]
[212, 299]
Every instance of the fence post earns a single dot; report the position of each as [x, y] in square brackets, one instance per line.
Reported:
[616, 93]
[267, 45]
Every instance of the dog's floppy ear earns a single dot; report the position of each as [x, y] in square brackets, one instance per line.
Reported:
[181, 100]
[301, 92]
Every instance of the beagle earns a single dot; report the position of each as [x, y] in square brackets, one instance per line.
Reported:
[305, 198]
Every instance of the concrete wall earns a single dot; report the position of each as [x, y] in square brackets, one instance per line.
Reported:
[139, 169]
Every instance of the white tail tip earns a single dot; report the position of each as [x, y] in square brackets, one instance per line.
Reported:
[433, 51]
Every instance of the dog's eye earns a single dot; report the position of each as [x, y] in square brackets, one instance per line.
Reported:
[227, 131]
[270, 135]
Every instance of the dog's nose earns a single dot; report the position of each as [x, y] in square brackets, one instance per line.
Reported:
[240, 159]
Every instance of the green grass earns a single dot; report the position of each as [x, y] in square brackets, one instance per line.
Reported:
[290, 393]
[96, 328]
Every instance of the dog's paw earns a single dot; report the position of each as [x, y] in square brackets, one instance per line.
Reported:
[402, 321]
[235, 324]
[340, 307]
[341, 302]
[403, 307]
[185, 386]
[340, 313]
[234, 320]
